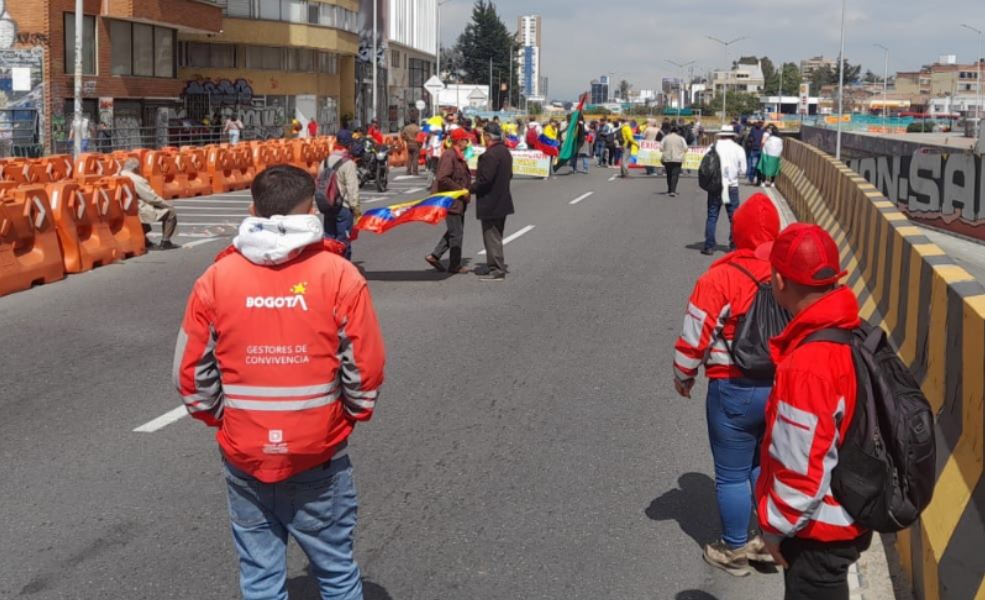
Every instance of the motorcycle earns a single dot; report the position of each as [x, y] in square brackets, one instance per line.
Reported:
[374, 165]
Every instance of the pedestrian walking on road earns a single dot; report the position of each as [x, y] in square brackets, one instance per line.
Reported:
[453, 175]
[674, 149]
[812, 405]
[153, 208]
[410, 134]
[494, 202]
[586, 141]
[652, 133]
[630, 147]
[754, 148]
[280, 350]
[735, 403]
[338, 226]
[769, 162]
[611, 147]
[733, 162]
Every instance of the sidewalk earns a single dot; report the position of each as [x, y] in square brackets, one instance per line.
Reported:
[877, 575]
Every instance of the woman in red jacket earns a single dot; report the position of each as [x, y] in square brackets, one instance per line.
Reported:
[735, 405]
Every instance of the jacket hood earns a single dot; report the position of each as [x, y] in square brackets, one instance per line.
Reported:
[756, 222]
[837, 309]
[278, 239]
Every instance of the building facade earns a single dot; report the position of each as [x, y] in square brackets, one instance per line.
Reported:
[130, 63]
[273, 61]
[411, 59]
[809, 65]
[528, 57]
[743, 78]
[600, 90]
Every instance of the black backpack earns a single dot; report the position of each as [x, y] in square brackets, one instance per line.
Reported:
[710, 172]
[750, 349]
[328, 195]
[886, 464]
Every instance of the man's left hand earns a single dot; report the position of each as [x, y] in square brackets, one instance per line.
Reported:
[774, 550]
[683, 387]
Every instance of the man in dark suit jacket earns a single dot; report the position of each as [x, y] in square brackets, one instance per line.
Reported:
[493, 199]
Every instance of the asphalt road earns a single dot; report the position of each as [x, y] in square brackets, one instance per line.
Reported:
[528, 443]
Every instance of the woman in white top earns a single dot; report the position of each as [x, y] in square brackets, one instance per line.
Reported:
[233, 127]
[769, 164]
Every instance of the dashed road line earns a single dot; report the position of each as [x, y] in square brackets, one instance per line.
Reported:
[414, 190]
[580, 198]
[514, 236]
[613, 178]
[163, 421]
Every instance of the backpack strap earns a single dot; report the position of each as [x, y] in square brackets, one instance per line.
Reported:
[747, 272]
[833, 335]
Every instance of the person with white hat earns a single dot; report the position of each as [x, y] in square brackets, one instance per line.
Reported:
[733, 163]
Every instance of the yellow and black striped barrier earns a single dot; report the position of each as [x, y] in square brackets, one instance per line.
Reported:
[935, 312]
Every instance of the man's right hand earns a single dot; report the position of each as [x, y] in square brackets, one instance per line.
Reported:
[683, 387]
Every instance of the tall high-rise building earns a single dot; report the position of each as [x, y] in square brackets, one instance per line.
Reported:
[600, 90]
[528, 56]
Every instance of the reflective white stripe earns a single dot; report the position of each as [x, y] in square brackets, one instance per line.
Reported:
[364, 404]
[681, 374]
[776, 519]
[281, 405]
[833, 515]
[683, 360]
[828, 514]
[793, 436]
[719, 358]
[278, 392]
[694, 322]
[792, 497]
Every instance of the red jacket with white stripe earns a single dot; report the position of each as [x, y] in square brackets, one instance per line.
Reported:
[283, 358]
[723, 294]
[807, 415]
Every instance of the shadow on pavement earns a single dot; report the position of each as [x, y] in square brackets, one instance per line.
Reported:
[304, 587]
[694, 595]
[692, 505]
[700, 246]
[405, 275]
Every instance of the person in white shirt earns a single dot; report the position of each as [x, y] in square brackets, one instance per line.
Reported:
[733, 160]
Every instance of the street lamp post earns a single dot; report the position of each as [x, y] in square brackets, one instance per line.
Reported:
[77, 117]
[978, 83]
[375, 59]
[681, 67]
[885, 84]
[725, 85]
[841, 81]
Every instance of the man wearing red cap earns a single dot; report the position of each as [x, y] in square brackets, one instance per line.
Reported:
[453, 175]
[736, 404]
[813, 401]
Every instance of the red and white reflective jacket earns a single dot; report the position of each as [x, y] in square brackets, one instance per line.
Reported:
[282, 356]
[807, 415]
[720, 297]
[724, 293]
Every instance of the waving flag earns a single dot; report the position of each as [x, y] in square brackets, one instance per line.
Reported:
[429, 210]
[569, 150]
[547, 142]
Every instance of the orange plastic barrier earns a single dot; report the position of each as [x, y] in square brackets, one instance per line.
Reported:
[91, 166]
[222, 170]
[303, 156]
[243, 168]
[263, 156]
[58, 167]
[29, 252]
[165, 174]
[194, 163]
[83, 229]
[117, 199]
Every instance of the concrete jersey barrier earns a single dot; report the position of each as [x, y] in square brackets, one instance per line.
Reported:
[935, 313]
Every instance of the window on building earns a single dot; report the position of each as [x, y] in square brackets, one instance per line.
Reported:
[306, 60]
[326, 15]
[314, 11]
[239, 8]
[196, 54]
[88, 44]
[270, 9]
[295, 11]
[328, 63]
[163, 52]
[395, 59]
[143, 50]
[120, 37]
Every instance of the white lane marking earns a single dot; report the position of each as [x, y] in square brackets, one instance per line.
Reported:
[163, 421]
[510, 238]
[613, 178]
[580, 198]
[212, 201]
[200, 242]
[414, 190]
[236, 209]
[241, 213]
[402, 177]
[213, 224]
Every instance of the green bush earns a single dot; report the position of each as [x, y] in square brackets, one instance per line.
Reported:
[920, 127]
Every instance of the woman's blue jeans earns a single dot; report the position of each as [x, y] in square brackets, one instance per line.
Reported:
[736, 423]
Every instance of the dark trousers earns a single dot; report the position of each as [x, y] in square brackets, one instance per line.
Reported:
[714, 208]
[492, 237]
[673, 174]
[451, 242]
[819, 570]
[612, 154]
[413, 159]
[341, 229]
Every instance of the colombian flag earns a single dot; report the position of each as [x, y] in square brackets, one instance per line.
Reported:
[429, 210]
[548, 142]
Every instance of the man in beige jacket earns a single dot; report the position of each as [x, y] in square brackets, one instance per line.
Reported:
[153, 208]
[409, 134]
[673, 148]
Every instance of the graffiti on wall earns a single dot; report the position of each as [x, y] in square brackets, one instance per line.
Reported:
[8, 28]
[945, 190]
[222, 91]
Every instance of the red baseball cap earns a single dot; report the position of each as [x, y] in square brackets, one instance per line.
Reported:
[805, 254]
[460, 134]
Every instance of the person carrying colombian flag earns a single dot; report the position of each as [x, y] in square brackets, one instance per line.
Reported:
[630, 148]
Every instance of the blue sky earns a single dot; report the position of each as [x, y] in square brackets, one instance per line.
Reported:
[579, 46]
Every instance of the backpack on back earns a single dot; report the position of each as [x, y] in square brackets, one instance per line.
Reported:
[886, 464]
[328, 195]
[750, 348]
[710, 172]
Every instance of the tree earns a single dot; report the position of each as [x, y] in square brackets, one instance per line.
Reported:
[451, 62]
[486, 41]
[826, 75]
[535, 108]
[791, 80]
[871, 77]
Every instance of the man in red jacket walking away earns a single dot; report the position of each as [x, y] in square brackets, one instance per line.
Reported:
[813, 402]
[281, 352]
[736, 403]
